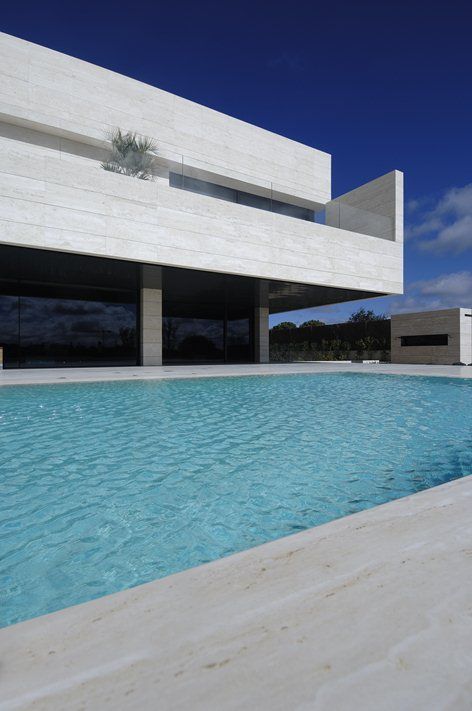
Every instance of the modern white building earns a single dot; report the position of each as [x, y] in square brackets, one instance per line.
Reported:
[442, 337]
[101, 268]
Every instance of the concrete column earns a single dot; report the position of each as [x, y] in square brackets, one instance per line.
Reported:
[465, 335]
[151, 315]
[261, 321]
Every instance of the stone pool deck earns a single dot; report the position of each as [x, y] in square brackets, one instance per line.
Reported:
[372, 611]
[76, 375]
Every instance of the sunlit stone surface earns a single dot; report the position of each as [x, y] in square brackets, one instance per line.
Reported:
[370, 611]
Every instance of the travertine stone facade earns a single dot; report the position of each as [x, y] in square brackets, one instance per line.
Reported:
[55, 112]
[151, 317]
[455, 323]
[68, 98]
[375, 208]
[261, 322]
[53, 194]
[51, 201]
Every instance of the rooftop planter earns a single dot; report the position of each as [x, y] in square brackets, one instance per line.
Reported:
[131, 154]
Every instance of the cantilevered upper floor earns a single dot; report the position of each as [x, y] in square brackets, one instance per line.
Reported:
[225, 196]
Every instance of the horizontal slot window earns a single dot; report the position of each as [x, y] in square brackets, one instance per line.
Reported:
[433, 339]
[203, 187]
[257, 201]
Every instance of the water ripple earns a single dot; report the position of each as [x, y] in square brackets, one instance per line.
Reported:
[109, 485]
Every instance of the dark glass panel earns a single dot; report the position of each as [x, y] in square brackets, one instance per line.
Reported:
[9, 330]
[193, 332]
[238, 337]
[203, 187]
[301, 213]
[188, 285]
[239, 319]
[261, 203]
[176, 180]
[60, 309]
[207, 317]
[59, 332]
[239, 289]
[436, 339]
[48, 267]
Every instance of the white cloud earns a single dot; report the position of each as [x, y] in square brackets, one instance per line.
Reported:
[454, 238]
[458, 284]
[445, 227]
[412, 205]
[457, 200]
[442, 292]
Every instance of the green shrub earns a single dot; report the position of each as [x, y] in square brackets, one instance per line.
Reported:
[131, 155]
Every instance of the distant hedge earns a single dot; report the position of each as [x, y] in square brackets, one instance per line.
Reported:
[365, 336]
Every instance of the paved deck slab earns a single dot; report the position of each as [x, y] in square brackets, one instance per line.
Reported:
[372, 611]
[64, 375]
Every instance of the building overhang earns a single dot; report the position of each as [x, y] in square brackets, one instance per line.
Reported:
[284, 296]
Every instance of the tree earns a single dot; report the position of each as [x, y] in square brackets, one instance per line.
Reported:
[131, 155]
[312, 323]
[363, 315]
[366, 344]
[284, 326]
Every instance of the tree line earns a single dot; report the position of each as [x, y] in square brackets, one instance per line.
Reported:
[360, 316]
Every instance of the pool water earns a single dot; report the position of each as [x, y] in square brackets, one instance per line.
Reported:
[109, 485]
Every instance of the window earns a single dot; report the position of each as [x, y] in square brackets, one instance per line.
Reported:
[207, 317]
[203, 187]
[301, 213]
[435, 339]
[61, 309]
[257, 201]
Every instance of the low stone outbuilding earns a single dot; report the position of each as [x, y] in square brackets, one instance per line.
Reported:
[438, 337]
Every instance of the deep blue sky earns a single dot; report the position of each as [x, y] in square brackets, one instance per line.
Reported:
[378, 84]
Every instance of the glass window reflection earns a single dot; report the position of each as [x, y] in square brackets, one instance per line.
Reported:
[62, 310]
[56, 331]
[204, 187]
[207, 317]
[9, 330]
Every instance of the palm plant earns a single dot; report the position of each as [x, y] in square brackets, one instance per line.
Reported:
[131, 154]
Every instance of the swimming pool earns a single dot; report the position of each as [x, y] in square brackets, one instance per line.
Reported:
[109, 485]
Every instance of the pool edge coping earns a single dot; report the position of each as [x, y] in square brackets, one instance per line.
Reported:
[380, 518]
[59, 376]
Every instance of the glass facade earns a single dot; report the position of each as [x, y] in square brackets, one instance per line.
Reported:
[207, 317]
[59, 310]
[203, 187]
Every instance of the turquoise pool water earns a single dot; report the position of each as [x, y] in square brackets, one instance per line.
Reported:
[108, 485]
